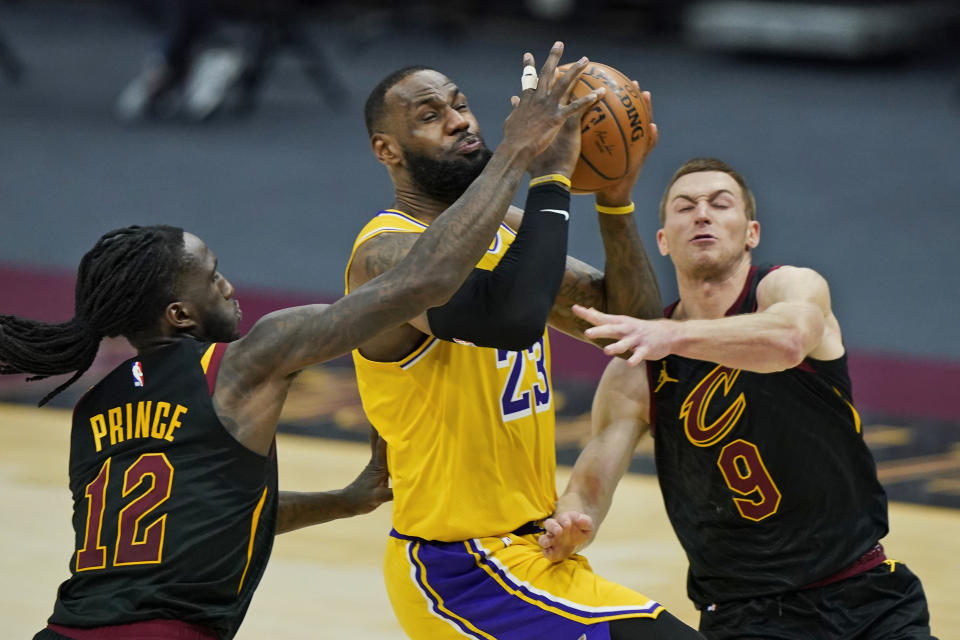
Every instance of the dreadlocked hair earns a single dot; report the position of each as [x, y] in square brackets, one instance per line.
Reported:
[123, 285]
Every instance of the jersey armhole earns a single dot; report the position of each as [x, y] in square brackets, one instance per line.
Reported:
[211, 363]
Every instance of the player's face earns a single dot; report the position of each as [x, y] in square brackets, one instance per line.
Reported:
[207, 294]
[706, 231]
[443, 151]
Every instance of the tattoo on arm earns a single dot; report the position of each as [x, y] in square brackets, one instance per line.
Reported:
[630, 282]
[583, 285]
[381, 253]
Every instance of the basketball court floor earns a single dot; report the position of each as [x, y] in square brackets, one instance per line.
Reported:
[324, 582]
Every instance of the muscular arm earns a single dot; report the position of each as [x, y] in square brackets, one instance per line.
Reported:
[627, 285]
[256, 370]
[620, 416]
[507, 307]
[297, 510]
[793, 320]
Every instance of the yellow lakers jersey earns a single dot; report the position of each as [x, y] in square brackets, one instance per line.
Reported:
[470, 430]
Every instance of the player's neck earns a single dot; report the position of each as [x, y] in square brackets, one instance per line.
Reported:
[419, 205]
[709, 297]
[146, 342]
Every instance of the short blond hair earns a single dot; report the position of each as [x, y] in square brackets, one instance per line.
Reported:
[699, 165]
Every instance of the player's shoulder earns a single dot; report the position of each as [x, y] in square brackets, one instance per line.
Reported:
[787, 274]
[787, 282]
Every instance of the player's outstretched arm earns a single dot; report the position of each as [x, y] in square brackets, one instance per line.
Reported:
[254, 374]
[793, 320]
[507, 307]
[367, 492]
[620, 416]
[441, 257]
[628, 284]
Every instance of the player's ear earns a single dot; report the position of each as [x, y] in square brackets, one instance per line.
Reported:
[178, 315]
[386, 149]
[662, 243]
[753, 234]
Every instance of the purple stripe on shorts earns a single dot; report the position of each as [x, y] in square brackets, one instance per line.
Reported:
[469, 592]
[434, 603]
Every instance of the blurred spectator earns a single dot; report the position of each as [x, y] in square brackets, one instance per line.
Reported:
[184, 74]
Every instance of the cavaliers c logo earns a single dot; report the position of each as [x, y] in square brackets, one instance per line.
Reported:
[693, 412]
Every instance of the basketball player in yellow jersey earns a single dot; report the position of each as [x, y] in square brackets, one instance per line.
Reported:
[462, 394]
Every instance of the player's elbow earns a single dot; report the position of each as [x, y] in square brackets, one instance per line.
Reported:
[793, 349]
[520, 340]
[788, 350]
[525, 324]
[795, 338]
[435, 289]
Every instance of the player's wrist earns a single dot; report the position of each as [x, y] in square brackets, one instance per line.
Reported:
[612, 199]
[616, 210]
[515, 153]
[550, 177]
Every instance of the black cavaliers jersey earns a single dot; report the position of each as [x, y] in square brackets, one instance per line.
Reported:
[173, 517]
[765, 477]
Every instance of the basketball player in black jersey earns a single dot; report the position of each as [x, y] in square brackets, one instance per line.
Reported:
[172, 459]
[766, 478]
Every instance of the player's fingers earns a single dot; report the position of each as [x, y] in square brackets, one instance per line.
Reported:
[545, 541]
[578, 107]
[591, 315]
[564, 520]
[548, 71]
[618, 347]
[566, 81]
[514, 101]
[378, 448]
[639, 355]
[528, 78]
[654, 135]
[584, 522]
[612, 331]
[552, 527]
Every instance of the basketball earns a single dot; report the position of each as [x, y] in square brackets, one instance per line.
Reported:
[614, 133]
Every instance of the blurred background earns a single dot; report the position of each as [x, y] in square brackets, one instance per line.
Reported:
[242, 122]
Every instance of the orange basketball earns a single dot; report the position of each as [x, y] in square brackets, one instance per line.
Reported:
[614, 133]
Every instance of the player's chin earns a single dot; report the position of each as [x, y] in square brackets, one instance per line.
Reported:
[228, 330]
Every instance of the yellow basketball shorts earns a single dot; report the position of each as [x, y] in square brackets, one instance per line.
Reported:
[501, 588]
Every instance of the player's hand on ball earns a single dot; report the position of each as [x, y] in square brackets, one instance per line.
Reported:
[539, 113]
[562, 155]
[619, 193]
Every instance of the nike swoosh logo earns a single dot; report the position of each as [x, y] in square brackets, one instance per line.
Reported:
[566, 216]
